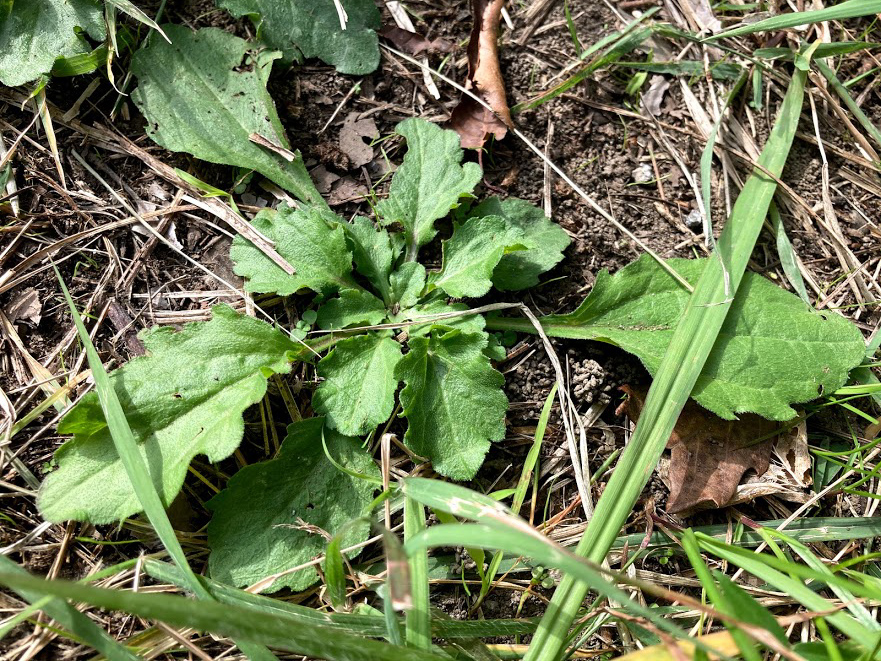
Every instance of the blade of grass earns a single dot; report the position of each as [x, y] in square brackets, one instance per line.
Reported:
[274, 629]
[136, 468]
[689, 349]
[845, 96]
[418, 618]
[848, 9]
[788, 259]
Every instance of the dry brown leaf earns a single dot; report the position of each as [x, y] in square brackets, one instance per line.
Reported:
[26, 307]
[709, 456]
[352, 136]
[413, 42]
[470, 119]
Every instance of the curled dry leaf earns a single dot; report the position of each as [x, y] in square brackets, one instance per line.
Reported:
[710, 456]
[414, 43]
[472, 121]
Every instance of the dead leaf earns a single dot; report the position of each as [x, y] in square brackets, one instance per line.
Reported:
[413, 42]
[25, 307]
[654, 96]
[352, 136]
[345, 190]
[470, 119]
[709, 456]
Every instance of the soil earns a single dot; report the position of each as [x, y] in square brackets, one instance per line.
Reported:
[599, 149]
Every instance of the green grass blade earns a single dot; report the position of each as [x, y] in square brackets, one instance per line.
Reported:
[418, 618]
[683, 361]
[136, 468]
[70, 618]
[277, 630]
[845, 96]
[848, 9]
[788, 259]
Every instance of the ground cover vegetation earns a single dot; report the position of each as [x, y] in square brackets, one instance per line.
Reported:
[375, 322]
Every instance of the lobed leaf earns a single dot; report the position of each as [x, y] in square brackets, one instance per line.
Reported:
[35, 33]
[311, 28]
[311, 239]
[205, 94]
[358, 391]
[772, 350]
[407, 284]
[374, 252]
[429, 182]
[471, 254]
[452, 400]
[543, 239]
[256, 530]
[185, 398]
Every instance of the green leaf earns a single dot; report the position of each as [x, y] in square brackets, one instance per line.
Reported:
[313, 242]
[772, 350]
[848, 9]
[358, 392]
[471, 323]
[205, 94]
[374, 252]
[35, 33]
[407, 284]
[452, 400]
[429, 182]
[311, 28]
[471, 255]
[544, 240]
[185, 398]
[255, 533]
[354, 307]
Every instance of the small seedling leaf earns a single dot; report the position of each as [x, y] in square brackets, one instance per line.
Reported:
[312, 28]
[271, 515]
[185, 398]
[374, 252]
[37, 32]
[205, 94]
[407, 284]
[358, 391]
[452, 400]
[354, 307]
[471, 254]
[543, 239]
[311, 239]
[429, 182]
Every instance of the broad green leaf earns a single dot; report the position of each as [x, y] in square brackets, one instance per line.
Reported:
[310, 239]
[470, 323]
[374, 252]
[34, 33]
[471, 254]
[311, 28]
[354, 307]
[185, 398]
[205, 94]
[256, 529]
[544, 240]
[407, 284]
[772, 350]
[452, 400]
[358, 392]
[429, 182]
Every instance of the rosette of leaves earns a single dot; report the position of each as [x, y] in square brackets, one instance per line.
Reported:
[368, 277]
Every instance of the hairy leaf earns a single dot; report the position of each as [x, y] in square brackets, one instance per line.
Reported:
[407, 284]
[354, 307]
[313, 242]
[374, 252]
[452, 400]
[311, 28]
[470, 323]
[358, 391]
[185, 398]
[34, 33]
[257, 529]
[471, 255]
[544, 240]
[205, 94]
[772, 351]
[429, 182]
